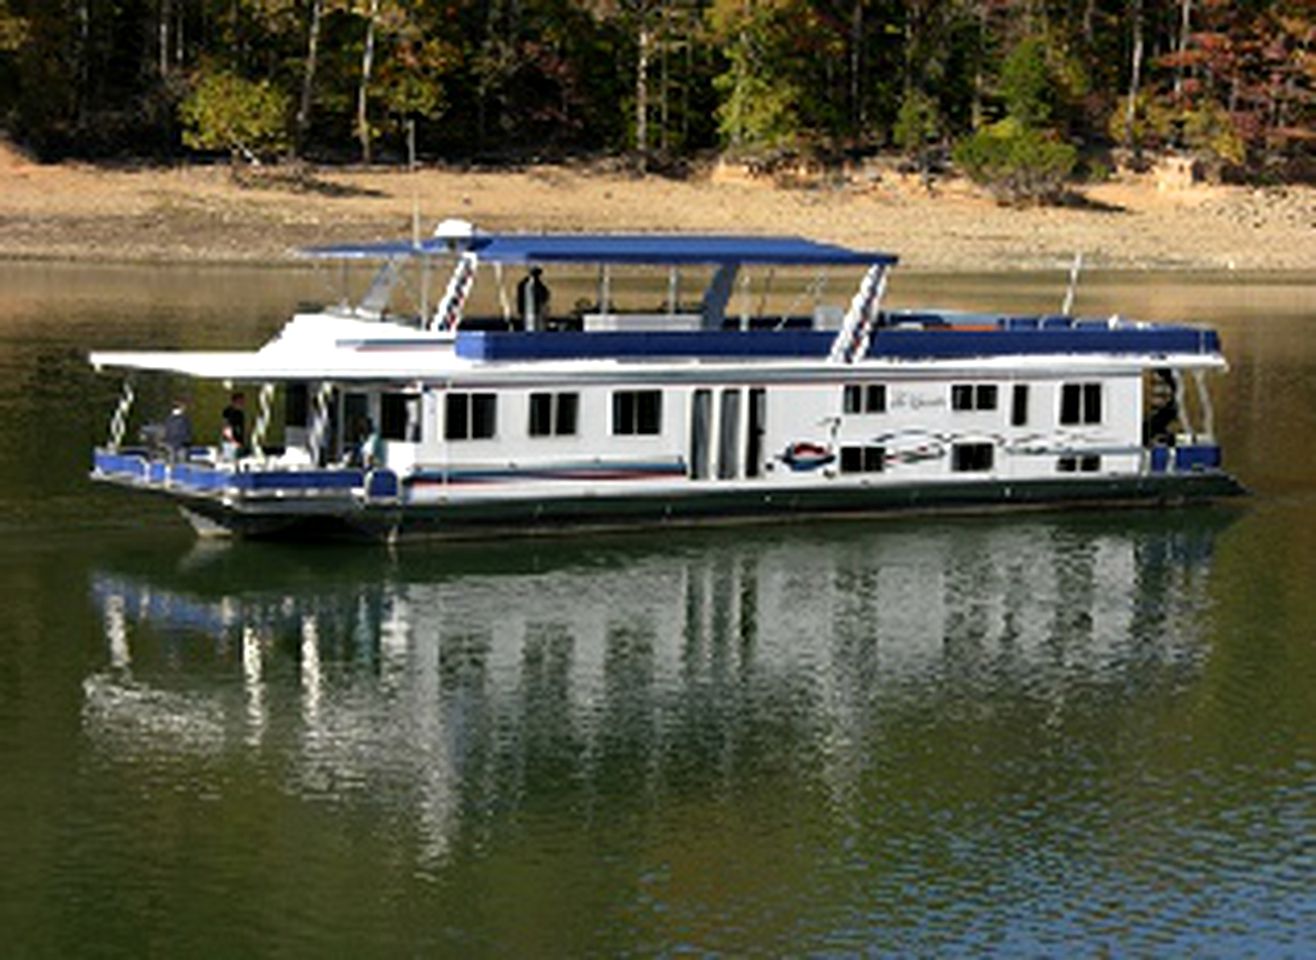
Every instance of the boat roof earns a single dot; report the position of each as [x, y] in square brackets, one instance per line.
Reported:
[659, 249]
[319, 346]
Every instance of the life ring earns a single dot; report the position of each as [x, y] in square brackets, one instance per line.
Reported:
[806, 455]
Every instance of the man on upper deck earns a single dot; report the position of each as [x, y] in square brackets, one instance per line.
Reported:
[532, 298]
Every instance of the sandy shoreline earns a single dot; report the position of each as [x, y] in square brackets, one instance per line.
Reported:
[198, 214]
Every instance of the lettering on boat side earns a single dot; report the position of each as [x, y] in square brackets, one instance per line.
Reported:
[917, 400]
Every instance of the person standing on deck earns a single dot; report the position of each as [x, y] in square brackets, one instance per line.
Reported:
[178, 431]
[532, 300]
[234, 433]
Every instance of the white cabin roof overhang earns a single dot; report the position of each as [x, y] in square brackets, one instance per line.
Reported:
[435, 362]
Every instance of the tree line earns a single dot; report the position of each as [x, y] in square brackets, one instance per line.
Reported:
[1044, 84]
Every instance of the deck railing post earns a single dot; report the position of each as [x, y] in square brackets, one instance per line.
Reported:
[119, 421]
[262, 426]
[319, 421]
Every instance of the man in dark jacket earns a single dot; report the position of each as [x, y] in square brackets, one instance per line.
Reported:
[178, 431]
[532, 300]
[235, 424]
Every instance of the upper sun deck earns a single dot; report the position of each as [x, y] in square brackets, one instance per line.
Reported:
[900, 335]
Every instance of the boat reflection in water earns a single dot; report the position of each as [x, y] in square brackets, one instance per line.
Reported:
[449, 686]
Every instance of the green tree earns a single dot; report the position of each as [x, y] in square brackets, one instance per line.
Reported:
[1027, 85]
[918, 123]
[224, 111]
[763, 92]
[1015, 162]
[917, 131]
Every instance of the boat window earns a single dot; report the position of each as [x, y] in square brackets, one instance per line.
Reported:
[1080, 403]
[470, 416]
[553, 414]
[296, 405]
[356, 421]
[1088, 463]
[701, 415]
[971, 457]
[564, 419]
[1019, 405]
[968, 396]
[758, 414]
[541, 415]
[637, 412]
[398, 416]
[728, 462]
[867, 459]
[864, 398]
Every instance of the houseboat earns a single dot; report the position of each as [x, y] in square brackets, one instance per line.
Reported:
[445, 420]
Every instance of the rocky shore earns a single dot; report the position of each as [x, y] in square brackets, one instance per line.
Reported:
[204, 214]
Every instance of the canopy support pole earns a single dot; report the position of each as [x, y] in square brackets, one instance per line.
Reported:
[504, 303]
[1204, 399]
[1067, 308]
[856, 331]
[449, 313]
[713, 308]
[605, 290]
[1181, 404]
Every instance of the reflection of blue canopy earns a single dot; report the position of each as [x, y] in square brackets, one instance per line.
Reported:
[635, 248]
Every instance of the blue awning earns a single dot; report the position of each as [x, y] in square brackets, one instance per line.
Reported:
[616, 248]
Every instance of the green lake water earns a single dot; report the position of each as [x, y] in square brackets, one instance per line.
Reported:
[1040, 734]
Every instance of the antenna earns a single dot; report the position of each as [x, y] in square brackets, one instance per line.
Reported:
[1067, 307]
[415, 189]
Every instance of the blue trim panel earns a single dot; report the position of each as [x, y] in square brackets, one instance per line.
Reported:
[382, 484]
[1198, 457]
[496, 345]
[203, 478]
[1193, 458]
[300, 480]
[1018, 341]
[1016, 337]
[124, 463]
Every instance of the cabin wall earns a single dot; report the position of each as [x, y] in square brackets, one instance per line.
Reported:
[911, 433]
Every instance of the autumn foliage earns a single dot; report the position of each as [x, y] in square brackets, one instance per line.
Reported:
[1076, 85]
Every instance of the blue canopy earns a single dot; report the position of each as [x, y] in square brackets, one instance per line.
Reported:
[622, 248]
